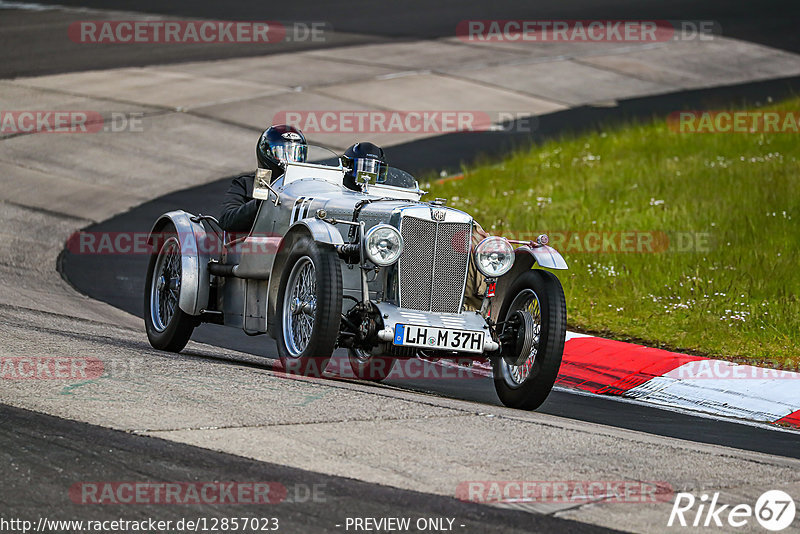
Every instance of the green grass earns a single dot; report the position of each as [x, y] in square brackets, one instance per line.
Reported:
[735, 297]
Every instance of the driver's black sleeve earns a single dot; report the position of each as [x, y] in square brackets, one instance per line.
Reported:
[239, 210]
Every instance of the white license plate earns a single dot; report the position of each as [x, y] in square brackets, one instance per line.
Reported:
[429, 337]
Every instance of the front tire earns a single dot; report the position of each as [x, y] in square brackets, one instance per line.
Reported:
[527, 386]
[309, 308]
[168, 327]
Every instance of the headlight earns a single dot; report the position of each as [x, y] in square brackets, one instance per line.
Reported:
[494, 256]
[383, 244]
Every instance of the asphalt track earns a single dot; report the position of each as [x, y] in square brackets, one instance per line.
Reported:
[119, 279]
[59, 454]
[32, 42]
[46, 454]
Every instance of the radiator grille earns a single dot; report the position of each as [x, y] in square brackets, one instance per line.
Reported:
[433, 264]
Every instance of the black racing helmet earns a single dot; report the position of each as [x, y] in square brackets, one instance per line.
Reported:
[363, 157]
[279, 145]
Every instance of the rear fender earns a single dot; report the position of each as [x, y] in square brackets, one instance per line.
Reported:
[195, 280]
[321, 231]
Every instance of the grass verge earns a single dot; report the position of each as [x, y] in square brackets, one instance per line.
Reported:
[687, 241]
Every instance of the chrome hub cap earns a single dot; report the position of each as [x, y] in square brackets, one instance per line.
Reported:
[516, 375]
[299, 306]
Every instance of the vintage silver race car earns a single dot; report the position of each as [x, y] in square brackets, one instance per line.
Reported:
[380, 273]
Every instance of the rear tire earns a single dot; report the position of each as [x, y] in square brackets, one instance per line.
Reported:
[168, 327]
[527, 386]
[366, 367]
[309, 308]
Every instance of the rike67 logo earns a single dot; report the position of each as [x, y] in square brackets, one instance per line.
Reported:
[774, 511]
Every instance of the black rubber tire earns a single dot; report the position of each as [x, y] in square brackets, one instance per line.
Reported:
[181, 325]
[375, 369]
[327, 316]
[544, 372]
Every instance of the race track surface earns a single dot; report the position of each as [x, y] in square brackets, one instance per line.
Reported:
[33, 41]
[119, 278]
[223, 409]
[61, 454]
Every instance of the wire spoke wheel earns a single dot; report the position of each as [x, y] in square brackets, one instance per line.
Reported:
[165, 285]
[516, 375]
[309, 307]
[526, 386]
[299, 306]
[168, 327]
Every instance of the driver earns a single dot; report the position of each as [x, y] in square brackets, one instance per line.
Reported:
[277, 146]
[281, 144]
[363, 157]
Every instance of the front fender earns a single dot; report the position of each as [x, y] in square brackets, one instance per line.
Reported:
[545, 256]
[525, 258]
[195, 280]
[321, 232]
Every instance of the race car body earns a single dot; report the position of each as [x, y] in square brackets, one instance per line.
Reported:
[378, 272]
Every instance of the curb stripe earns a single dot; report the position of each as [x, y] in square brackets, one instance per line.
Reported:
[669, 380]
[752, 399]
[793, 419]
[608, 367]
[664, 378]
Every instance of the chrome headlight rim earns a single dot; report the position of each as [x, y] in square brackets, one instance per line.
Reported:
[500, 244]
[371, 233]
